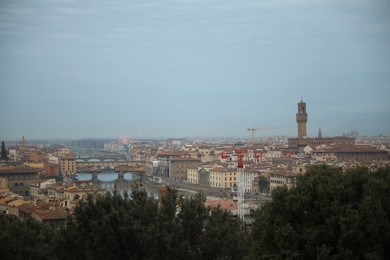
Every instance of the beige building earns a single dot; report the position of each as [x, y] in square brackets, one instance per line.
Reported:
[36, 165]
[67, 164]
[189, 148]
[178, 167]
[4, 185]
[206, 153]
[19, 179]
[222, 177]
[192, 175]
[73, 193]
[198, 176]
[278, 179]
[38, 189]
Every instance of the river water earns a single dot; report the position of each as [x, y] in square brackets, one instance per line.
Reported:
[111, 180]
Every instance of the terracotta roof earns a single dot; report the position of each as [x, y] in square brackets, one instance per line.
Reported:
[23, 169]
[172, 153]
[57, 213]
[285, 174]
[222, 169]
[357, 149]
[6, 200]
[225, 204]
[184, 159]
[28, 207]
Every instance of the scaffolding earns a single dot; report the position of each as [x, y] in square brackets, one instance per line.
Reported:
[242, 179]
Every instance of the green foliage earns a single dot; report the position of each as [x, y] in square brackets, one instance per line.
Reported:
[25, 239]
[114, 227]
[139, 227]
[329, 214]
[263, 184]
[224, 238]
[3, 153]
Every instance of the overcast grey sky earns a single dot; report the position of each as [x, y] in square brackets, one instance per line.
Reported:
[156, 68]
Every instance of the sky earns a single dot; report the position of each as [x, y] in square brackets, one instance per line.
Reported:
[192, 68]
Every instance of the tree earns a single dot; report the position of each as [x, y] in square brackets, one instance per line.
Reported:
[114, 226]
[191, 219]
[329, 214]
[224, 237]
[25, 239]
[3, 154]
[263, 184]
[135, 226]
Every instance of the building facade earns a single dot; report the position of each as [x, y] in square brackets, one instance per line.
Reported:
[278, 179]
[19, 179]
[67, 164]
[300, 142]
[367, 155]
[222, 177]
[178, 167]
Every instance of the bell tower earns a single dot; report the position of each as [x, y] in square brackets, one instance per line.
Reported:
[302, 119]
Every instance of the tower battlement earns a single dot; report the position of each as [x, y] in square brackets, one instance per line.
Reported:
[298, 143]
[301, 117]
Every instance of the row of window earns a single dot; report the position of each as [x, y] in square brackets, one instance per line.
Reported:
[26, 176]
[278, 181]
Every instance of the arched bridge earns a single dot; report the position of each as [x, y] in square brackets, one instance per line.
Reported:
[120, 165]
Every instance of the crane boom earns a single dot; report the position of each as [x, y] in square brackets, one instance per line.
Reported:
[258, 128]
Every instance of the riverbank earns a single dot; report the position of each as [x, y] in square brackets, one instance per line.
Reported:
[187, 189]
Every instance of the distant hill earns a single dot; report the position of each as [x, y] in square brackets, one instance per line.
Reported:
[365, 126]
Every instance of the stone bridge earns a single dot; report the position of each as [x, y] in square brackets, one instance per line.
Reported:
[111, 164]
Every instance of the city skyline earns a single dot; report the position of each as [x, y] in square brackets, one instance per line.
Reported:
[192, 68]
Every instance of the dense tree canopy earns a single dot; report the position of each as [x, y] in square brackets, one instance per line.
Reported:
[25, 239]
[137, 227]
[329, 214]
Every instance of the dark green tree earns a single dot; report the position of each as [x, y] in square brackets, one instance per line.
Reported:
[3, 154]
[115, 226]
[168, 226]
[25, 239]
[191, 218]
[135, 226]
[263, 184]
[330, 214]
[224, 237]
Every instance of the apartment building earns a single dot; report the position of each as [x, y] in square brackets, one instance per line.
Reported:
[192, 175]
[19, 179]
[223, 177]
[282, 178]
[178, 167]
[198, 176]
[67, 164]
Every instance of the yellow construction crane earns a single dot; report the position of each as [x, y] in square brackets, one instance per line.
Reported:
[258, 128]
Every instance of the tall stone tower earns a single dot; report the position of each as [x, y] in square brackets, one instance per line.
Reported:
[302, 119]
